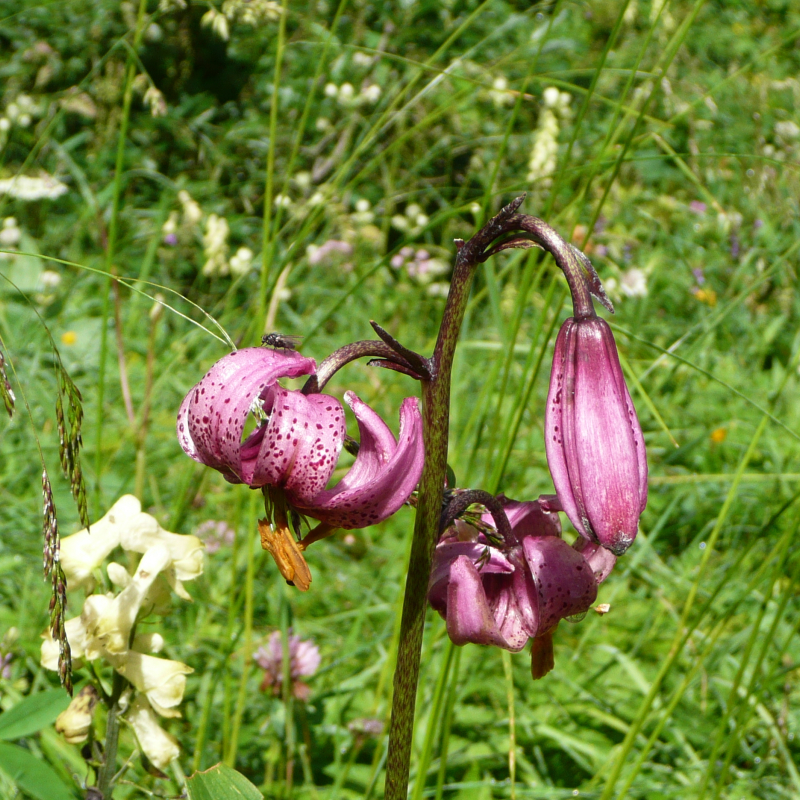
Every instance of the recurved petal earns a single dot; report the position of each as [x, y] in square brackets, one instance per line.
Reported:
[528, 518]
[600, 560]
[469, 616]
[300, 445]
[383, 476]
[564, 581]
[487, 559]
[212, 416]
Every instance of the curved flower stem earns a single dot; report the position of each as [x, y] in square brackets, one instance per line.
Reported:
[350, 352]
[461, 502]
[577, 268]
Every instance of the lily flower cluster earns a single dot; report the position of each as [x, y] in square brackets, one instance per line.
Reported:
[503, 591]
[106, 631]
[509, 577]
[295, 447]
[526, 579]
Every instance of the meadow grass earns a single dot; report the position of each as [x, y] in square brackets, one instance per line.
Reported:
[673, 163]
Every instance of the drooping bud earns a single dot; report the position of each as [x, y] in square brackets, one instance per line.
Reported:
[595, 449]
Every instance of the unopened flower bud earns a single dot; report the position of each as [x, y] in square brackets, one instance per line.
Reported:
[595, 449]
[74, 723]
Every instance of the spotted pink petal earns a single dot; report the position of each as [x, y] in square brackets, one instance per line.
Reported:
[471, 618]
[491, 559]
[299, 446]
[383, 476]
[564, 580]
[212, 416]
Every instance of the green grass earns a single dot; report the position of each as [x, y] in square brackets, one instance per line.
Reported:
[688, 687]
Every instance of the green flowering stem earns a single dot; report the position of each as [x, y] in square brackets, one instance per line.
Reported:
[435, 420]
[108, 770]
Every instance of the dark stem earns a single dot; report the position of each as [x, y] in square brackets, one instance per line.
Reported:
[495, 236]
[581, 275]
[435, 420]
[461, 502]
[350, 352]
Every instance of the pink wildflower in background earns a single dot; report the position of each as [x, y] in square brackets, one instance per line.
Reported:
[304, 662]
[215, 533]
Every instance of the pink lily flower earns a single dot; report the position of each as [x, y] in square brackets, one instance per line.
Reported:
[504, 595]
[296, 444]
[595, 449]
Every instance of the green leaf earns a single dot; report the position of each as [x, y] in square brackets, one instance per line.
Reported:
[32, 714]
[31, 774]
[221, 783]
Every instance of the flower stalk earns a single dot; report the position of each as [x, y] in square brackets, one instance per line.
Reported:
[505, 231]
[435, 424]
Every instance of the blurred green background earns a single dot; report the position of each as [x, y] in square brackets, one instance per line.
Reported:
[305, 169]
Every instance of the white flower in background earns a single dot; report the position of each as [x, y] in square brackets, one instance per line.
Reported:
[412, 222]
[75, 722]
[371, 93]
[438, 289]
[316, 199]
[160, 747]
[10, 233]
[49, 279]
[22, 110]
[282, 201]
[544, 154]
[215, 246]
[242, 262]
[252, 12]
[154, 100]
[633, 283]
[499, 94]
[165, 6]
[345, 94]
[362, 59]
[192, 213]
[24, 187]
[217, 22]
[363, 214]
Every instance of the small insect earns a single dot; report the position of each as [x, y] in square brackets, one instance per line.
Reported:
[281, 341]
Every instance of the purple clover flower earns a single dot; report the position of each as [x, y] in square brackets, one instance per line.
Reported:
[171, 239]
[594, 444]
[504, 594]
[296, 446]
[304, 660]
[698, 207]
[214, 534]
[321, 254]
[5, 665]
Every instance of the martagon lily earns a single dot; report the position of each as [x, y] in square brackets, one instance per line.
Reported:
[504, 592]
[295, 446]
